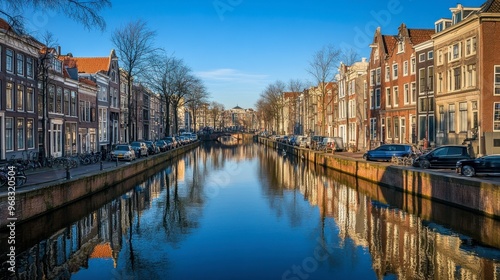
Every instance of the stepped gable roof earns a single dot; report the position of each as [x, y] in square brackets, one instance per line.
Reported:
[490, 6]
[418, 36]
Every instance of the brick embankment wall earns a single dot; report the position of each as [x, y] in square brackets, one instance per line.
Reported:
[474, 194]
[33, 203]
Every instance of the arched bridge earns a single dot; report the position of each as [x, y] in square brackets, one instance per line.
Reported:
[218, 136]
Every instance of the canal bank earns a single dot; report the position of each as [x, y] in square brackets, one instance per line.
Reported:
[473, 194]
[53, 195]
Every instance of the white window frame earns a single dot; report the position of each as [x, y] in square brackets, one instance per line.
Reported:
[395, 71]
[496, 80]
[395, 96]
[406, 93]
[496, 116]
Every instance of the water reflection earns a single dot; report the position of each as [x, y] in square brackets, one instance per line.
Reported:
[250, 212]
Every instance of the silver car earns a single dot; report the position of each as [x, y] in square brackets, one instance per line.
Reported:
[123, 152]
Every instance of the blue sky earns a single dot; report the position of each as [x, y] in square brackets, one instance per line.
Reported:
[238, 47]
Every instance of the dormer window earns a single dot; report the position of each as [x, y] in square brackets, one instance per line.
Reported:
[457, 17]
[56, 65]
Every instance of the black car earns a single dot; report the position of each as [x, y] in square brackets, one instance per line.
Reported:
[442, 157]
[484, 165]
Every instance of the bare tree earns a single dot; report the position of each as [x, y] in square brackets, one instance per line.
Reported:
[134, 45]
[323, 69]
[183, 82]
[83, 11]
[197, 98]
[215, 111]
[45, 75]
[296, 86]
[272, 101]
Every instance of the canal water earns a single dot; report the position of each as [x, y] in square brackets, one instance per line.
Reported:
[250, 212]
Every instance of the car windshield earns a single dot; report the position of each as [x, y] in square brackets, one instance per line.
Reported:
[121, 148]
[136, 144]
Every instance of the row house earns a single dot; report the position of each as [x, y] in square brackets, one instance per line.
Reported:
[137, 117]
[467, 82]
[57, 104]
[124, 99]
[104, 72]
[19, 93]
[291, 113]
[319, 109]
[424, 128]
[393, 86]
[352, 104]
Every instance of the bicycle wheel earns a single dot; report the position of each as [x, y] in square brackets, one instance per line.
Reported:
[3, 180]
[21, 180]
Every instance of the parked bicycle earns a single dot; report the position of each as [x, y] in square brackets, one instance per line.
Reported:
[12, 171]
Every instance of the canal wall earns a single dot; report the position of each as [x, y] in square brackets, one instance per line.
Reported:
[474, 194]
[49, 197]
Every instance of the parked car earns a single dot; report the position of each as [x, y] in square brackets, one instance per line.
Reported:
[303, 142]
[162, 145]
[140, 148]
[315, 140]
[152, 148]
[484, 165]
[123, 152]
[387, 151]
[442, 157]
[172, 141]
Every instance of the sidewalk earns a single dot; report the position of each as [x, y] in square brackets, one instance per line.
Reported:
[45, 175]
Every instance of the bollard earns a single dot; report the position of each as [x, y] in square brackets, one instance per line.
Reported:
[101, 164]
[68, 175]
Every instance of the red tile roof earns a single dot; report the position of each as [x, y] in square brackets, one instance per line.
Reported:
[389, 42]
[87, 82]
[418, 36]
[4, 25]
[91, 64]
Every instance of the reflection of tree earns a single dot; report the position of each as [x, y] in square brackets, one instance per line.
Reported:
[183, 204]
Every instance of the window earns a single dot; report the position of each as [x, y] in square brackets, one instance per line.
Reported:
[457, 78]
[413, 66]
[388, 101]
[421, 57]
[73, 103]
[56, 65]
[103, 124]
[30, 99]
[396, 96]
[497, 80]
[430, 78]
[440, 83]
[103, 94]
[470, 46]
[59, 100]
[378, 76]
[30, 134]
[430, 55]
[451, 119]
[20, 98]
[29, 67]
[454, 52]
[9, 60]
[406, 93]
[421, 80]
[9, 134]
[462, 117]
[67, 102]
[405, 68]
[396, 127]
[401, 46]
[387, 73]
[52, 92]
[20, 64]
[441, 118]
[496, 116]
[372, 99]
[377, 98]
[470, 78]
[413, 93]
[9, 101]
[372, 77]
[373, 127]
[395, 71]
[440, 57]
[20, 134]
